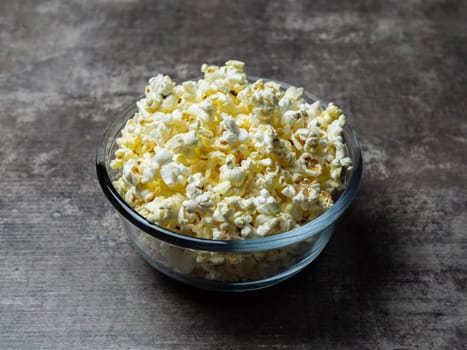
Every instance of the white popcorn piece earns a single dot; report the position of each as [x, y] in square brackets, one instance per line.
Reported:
[292, 120]
[310, 165]
[292, 97]
[162, 156]
[131, 172]
[203, 111]
[149, 173]
[231, 173]
[186, 144]
[288, 191]
[164, 211]
[314, 110]
[231, 133]
[174, 174]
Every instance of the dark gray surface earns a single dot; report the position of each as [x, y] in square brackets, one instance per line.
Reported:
[393, 276]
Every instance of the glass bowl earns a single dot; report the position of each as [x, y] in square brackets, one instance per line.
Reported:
[222, 265]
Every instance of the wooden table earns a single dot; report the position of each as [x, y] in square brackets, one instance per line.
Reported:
[395, 272]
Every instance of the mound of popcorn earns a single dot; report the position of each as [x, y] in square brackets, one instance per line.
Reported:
[222, 158]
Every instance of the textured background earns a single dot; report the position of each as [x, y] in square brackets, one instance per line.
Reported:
[393, 276]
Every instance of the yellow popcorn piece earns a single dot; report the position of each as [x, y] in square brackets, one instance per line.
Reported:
[223, 158]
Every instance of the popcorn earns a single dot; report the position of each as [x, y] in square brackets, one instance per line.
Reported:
[162, 156]
[186, 145]
[232, 174]
[222, 158]
[163, 210]
[174, 174]
[203, 111]
[131, 173]
[309, 165]
[232, 133]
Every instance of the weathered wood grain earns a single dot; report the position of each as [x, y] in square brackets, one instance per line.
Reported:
[394, 274]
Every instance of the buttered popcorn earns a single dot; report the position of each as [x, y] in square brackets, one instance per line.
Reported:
[223, 158]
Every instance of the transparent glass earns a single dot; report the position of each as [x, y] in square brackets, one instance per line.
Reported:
[219, 264]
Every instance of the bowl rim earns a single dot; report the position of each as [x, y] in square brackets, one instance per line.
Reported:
[248, 245]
